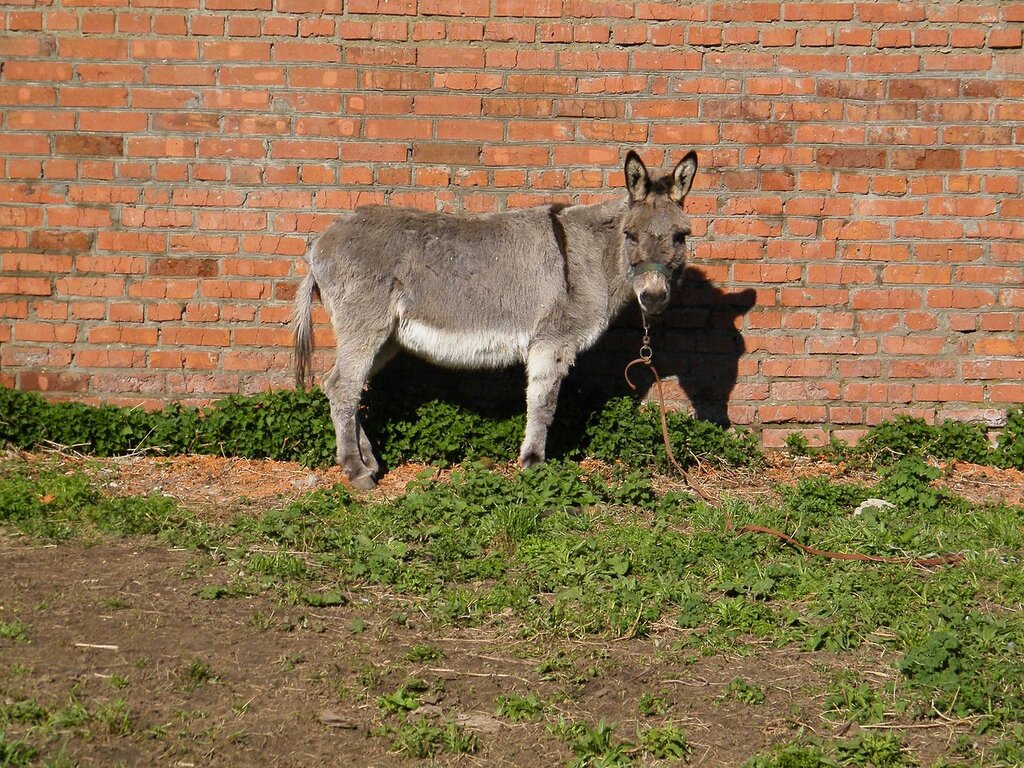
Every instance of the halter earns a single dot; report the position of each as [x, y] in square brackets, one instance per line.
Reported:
[650, 266]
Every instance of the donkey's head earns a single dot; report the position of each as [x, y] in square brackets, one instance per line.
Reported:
[654, 229]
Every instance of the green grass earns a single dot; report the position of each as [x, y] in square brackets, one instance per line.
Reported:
[422, 738]
[40, 726]
[14, 631]
[195, 675]
[871, 749]
[574, 555]
[743, 692]
[593, 744]
[519, 709]
[15, 753]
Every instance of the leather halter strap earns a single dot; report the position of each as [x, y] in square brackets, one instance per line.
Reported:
[650, 266]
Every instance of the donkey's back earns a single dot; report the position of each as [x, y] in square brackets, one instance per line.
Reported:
[460, 290]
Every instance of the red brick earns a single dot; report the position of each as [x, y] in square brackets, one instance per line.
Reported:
[120, 334]
[447, 105]
[234, 50]
[90, 286]
[392, 7]
[917, 274]
[33, 262]
[533, 8]
[751, 11]
[885, 298]
[51, 381]
[446, 154]
[796, 367]
[235, 289]
[889, 12]
[305, 51]
[50, 310]
[263, 337]
[959, 298]
[945, 393]
[844, 157]
[201, 313]
[187, 267]
[667, 61]
[130, 358]
[18, 309]
[183, 360]
[125, 313]
[1007, 370]
[1012, 394]
[45, 332]
[779, 414]
[26, 286]
[1004, 38]
[195, 337]
[1000, 347]
[779, 37]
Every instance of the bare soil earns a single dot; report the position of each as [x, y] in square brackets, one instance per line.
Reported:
[251, 682]
[220, 486]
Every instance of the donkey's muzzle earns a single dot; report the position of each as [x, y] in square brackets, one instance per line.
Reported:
[653, 286]
[653, 301]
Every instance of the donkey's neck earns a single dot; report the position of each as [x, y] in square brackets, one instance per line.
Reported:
[616, 270]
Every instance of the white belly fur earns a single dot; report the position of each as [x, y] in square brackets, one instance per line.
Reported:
[462, 349]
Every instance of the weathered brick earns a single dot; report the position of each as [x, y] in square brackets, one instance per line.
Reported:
[1004, 38]
[446, 154]
[104, 146]
[53, 381]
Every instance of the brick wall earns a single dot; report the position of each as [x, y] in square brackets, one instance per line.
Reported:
[859, 220]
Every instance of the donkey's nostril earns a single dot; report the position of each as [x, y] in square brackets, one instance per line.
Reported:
[653, 302]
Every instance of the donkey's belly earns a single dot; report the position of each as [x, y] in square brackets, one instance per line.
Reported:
[462, 349]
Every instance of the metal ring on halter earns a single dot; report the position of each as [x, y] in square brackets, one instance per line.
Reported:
[646, 353]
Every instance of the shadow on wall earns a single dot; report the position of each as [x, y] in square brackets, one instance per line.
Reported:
[695, 342]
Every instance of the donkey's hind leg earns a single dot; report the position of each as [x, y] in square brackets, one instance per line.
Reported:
[343, 387]
[366, 452]
[546, 366]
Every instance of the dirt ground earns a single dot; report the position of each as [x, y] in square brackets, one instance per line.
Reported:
[218, 486]
[245, 681]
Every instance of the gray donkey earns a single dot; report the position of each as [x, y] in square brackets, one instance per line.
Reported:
[463, 290]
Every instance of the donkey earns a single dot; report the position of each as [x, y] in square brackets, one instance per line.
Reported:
[464, 290]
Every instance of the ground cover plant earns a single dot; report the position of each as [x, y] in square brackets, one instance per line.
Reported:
[581, 613]
[295, 425]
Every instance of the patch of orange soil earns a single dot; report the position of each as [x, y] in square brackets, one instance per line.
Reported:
[222, 484]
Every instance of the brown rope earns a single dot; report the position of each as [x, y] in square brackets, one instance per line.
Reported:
[923, 562]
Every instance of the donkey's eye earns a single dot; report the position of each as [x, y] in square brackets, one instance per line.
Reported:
[678, 239]
[630, 237]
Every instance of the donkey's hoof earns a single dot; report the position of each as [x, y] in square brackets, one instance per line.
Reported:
[363, 482]
[530, 459]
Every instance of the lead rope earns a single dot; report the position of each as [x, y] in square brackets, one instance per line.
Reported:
[645, 358]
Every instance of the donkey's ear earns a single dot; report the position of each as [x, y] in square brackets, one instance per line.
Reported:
[682, 177]
[637, 181]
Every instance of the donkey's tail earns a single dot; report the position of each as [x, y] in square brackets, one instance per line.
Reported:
[302, 327]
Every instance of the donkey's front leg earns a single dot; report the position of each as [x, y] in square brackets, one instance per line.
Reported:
[546, 366]
[343, 393]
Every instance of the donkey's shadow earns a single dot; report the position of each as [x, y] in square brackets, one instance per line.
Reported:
[695, 342]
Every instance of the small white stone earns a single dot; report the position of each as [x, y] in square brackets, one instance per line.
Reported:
[873, 504]
[307, 483]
